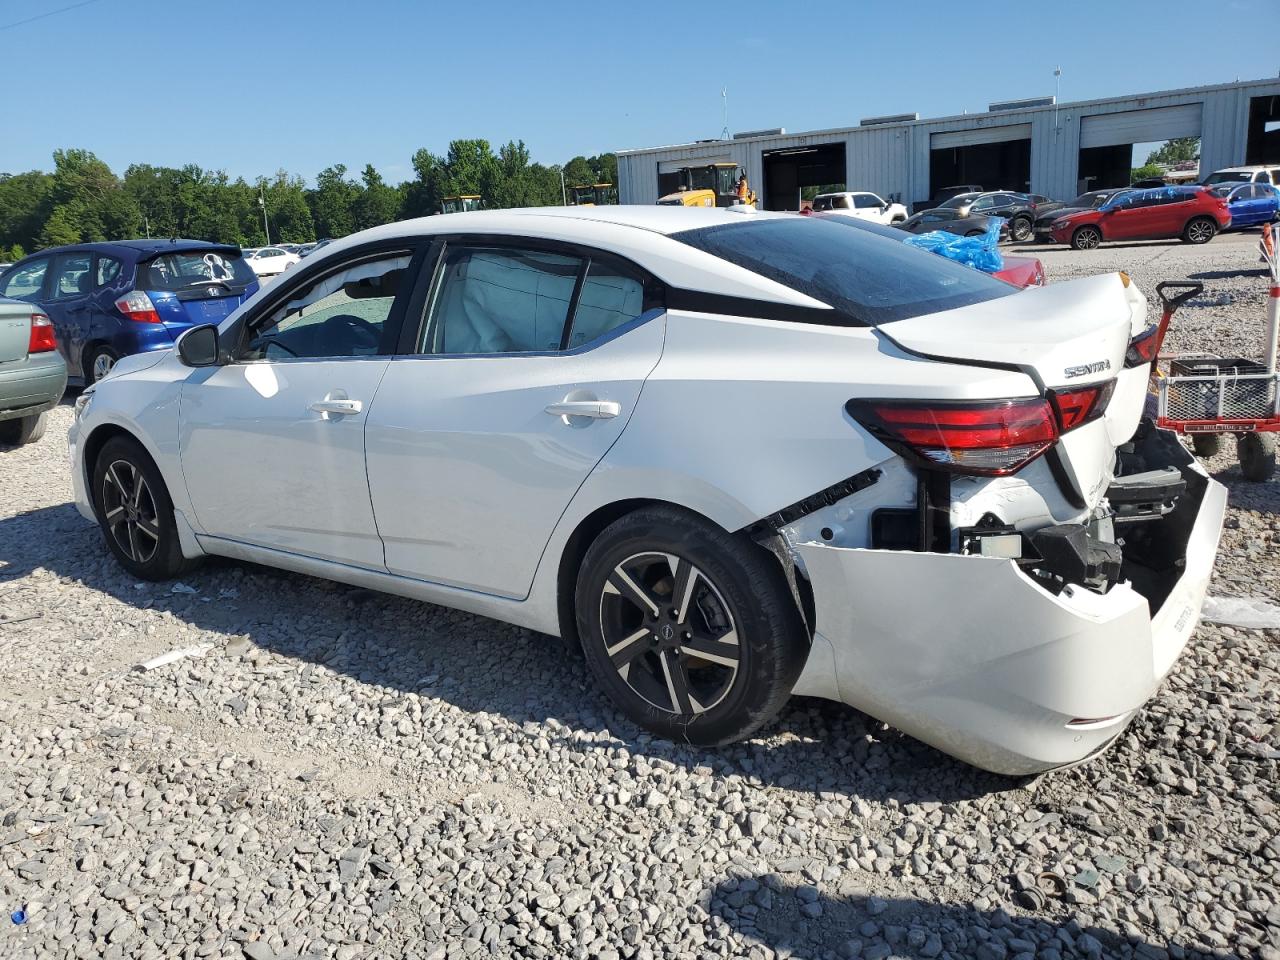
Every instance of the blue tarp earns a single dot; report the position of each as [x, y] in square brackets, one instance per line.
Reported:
[981, 252]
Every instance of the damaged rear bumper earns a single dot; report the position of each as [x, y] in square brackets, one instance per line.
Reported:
[973, 656]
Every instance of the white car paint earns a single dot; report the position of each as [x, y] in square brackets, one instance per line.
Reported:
[270, 261]
[453, 484]
[861, 204]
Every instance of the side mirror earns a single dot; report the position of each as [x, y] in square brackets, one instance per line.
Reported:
[198, 347]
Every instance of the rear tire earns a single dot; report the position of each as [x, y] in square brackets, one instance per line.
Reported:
[98, 363]
[138, 524]
[24, 429]
[1019, 229]
[1257, 455]
[1086, 238]
[1199, 230]
[661, 585]
[1206, 444]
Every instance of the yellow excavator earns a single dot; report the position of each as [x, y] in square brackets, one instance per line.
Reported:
[461, 204]
[710, 185]
[593, 195]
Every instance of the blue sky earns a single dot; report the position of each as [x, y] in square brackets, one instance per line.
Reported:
[251, 86]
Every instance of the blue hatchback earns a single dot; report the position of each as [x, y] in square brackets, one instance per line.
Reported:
[1250, 203]
[108, 300]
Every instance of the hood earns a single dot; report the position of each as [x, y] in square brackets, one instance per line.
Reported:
[135, 363]
[1064, 211]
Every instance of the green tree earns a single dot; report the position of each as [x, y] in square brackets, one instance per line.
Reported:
[88, 200]
[377, 203]
[25, 202]
[287, 209]
[333, 202]
[579, 172]
[1144, 172]
[1177, 150]
[468, 168]
[423, 193]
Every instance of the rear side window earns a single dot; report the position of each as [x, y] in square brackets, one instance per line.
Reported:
[71, 276]
[108, 269]
[194, 270]
[501, 300]
[870, 278]
[610, 298]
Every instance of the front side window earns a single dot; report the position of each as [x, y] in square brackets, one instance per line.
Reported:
[864, 201]
[342, 314]
[71, 276]
[869, 278]
[26, 282]
[500, 300]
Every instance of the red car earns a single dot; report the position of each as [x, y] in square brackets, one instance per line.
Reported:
[1193, 214]
[1023, 272]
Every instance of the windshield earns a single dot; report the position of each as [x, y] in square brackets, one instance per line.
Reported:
[871, 278]
[1229, 176]
[196, 269]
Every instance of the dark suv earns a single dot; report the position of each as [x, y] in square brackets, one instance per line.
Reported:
[1014, 207]
[108, 300]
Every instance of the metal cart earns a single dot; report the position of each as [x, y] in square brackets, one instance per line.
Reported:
[1206, 396]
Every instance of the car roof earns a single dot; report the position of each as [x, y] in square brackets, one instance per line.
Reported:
[140, 248]
[1252, 168]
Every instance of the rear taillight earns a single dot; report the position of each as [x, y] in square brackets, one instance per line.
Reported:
[1145, 347]
[989, 438]
[1079, 405]
[138, 306]
[42, 338]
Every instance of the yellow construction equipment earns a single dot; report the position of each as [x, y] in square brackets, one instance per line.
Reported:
[593, 195]
[711, 185]
[460, 204]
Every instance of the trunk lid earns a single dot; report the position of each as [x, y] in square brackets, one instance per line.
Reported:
[1064, 336]
[15, 330]
[196, 286]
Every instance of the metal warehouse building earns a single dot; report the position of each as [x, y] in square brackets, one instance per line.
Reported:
[1037, 146]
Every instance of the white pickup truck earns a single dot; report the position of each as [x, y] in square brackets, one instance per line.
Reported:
[868, 206]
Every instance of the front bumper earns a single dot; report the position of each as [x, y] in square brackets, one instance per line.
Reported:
[971, 655]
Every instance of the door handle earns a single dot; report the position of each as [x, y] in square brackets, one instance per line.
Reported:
[595, 409]
[341, 407]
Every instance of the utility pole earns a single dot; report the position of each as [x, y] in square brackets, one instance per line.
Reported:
[1057, 93]
[262, 202]
[564, 197]
[724, 97]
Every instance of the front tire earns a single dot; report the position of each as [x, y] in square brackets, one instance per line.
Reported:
[1199, 230]
[24, 429]
[135, 512]
[693, 632]
[1086, 238]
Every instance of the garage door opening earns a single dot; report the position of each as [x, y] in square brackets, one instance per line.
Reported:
[797, 173]
[1114, 147]
[993, 158]
[1263, 143]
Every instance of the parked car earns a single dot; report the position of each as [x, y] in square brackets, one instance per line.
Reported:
[313, 247]
[1249, 203]
[951, 221]
[1192, 214]
[270, 261]
[109, 300]
[867, 206]
[943, 194]
[1020, 271]
[1251, 174]
[1042, 229]
[570, 437]
[1014, 207]
[33, 375]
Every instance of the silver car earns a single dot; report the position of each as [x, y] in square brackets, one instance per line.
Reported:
[33, 375]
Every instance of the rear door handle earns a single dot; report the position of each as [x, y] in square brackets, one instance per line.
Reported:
[342, 407]
[595, 409]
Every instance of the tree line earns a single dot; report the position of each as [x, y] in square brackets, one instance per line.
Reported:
[82, 200]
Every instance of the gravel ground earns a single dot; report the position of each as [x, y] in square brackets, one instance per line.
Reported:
[349, 775]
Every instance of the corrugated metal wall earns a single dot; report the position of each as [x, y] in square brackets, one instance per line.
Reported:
[894, 158]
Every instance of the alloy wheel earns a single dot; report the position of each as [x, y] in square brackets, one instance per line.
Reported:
[130, 511]
[1087, 238]
[669, 633]
[1021, 229]
[102, 364]
[1199, 231]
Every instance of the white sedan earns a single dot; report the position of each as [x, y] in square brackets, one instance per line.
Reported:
[735, 455]
[865, 206]
[270, 261]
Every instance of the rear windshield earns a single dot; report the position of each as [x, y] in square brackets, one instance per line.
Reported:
[871, 278]
[195, 270]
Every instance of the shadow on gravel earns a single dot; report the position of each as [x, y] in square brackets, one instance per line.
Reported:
[786, 914]
[1227, 274]
[482, 665]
